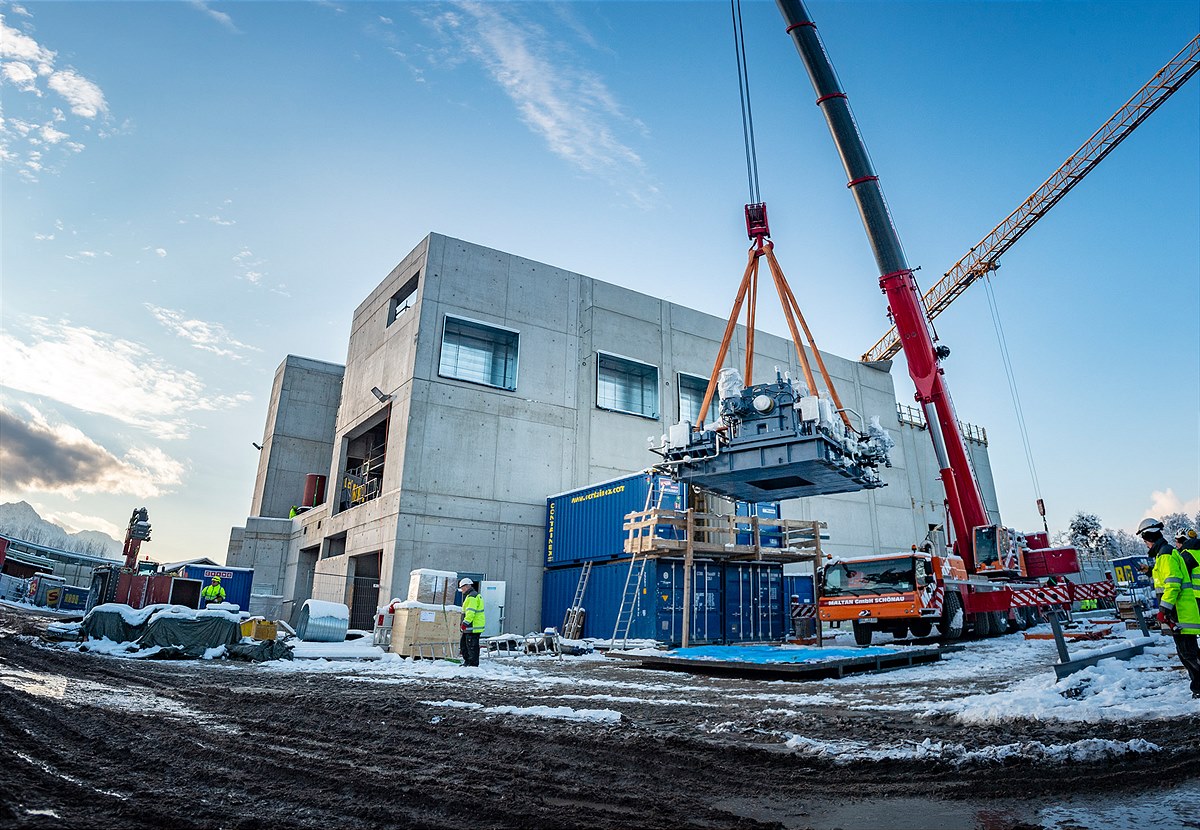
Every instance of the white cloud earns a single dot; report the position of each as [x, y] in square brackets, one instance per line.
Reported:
[249, 266]
[51, 135]
[105, 374]
[221, 17]
[569, 107]
[15, 45]
[217, 220]
[1162, 503]
[160, 251]
[85, 97]
[28, 67]
[73, 522]
[52, 456]
[20, 75]
[209, 337]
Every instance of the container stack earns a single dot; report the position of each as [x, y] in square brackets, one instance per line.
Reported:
[731, 602]
[427, 623]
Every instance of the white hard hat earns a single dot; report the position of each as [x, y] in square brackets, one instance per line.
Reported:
[1150, 525]
[466, 580]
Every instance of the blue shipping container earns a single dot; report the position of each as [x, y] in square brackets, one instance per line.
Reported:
[800, 585]
[74, 598]
[755, 607]
[588, 524]
[659, 613]
[236, 581]
[769, 535]
[751, 615]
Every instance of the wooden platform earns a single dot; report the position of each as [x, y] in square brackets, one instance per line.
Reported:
[807, 670]
[715, 536]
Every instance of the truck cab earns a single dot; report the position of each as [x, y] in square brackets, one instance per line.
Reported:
[898, 593]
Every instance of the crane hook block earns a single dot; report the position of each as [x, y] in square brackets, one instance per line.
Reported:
[756, 221]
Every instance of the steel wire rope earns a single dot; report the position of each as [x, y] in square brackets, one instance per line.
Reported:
[739, 48]
[1012, 383]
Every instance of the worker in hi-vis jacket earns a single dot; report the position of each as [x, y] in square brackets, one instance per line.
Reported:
[472, 622]
[1177, 609]
[213, 593]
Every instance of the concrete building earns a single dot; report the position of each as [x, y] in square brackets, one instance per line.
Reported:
[476, 384]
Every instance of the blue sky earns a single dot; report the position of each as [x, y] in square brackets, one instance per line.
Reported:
[191, 191]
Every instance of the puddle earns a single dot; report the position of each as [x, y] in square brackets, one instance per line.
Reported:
[1176, 808]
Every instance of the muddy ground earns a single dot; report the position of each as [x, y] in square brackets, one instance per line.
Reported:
[96, 741]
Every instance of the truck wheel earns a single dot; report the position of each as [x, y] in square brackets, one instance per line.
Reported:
[862, 634]
[1000, 623]
[983, 625]
[1021, 618]
[921, 628]
[950, 626]
[900, 632]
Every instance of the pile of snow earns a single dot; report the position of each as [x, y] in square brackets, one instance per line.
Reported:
[1113, 690]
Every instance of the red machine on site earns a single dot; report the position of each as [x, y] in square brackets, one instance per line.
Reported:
[138, 584]
[986, 582]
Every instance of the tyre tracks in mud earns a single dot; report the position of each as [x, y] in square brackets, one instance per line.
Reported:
[189, 744]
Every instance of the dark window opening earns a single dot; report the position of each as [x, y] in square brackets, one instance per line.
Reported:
[362, 477]
[403, 299]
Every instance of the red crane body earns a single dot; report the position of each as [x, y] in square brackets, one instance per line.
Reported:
[963, 496]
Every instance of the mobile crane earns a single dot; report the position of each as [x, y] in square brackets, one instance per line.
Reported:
[982, 581]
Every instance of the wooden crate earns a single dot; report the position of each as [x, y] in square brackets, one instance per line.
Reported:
[423, 632]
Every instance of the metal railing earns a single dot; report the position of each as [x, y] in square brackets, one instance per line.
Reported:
[913, 417]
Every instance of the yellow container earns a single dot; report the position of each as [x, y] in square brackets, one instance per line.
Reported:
[259, 629]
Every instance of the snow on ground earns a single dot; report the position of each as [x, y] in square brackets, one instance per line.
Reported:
[849, 752]
[989, 681]
[551, 712]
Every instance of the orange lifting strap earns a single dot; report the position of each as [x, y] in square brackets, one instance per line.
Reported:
[763, 247]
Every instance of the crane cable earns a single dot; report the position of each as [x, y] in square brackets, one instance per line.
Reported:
[739, 45]
[1012, 383]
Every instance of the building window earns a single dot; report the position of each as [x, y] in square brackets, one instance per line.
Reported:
[403, 299]
[626, 385]
[691, 396]
[479, 353]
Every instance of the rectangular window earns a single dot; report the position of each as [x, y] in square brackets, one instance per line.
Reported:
[626, 385]
[691, 396]
[403, 299]
[479, 353]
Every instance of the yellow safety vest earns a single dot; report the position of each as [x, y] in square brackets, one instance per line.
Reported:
[473, 612]
[1171, 574]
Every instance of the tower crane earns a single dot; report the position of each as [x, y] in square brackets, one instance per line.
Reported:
[984, 255]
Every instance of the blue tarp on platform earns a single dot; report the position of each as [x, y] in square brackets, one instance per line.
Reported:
[776, 654]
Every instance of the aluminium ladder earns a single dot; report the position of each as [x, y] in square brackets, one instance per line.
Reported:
[572, 627]
[629, 600]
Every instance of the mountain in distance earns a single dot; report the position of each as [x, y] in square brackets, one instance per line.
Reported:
[19, 520]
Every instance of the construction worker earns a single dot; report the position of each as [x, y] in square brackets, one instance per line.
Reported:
[213, 592]
[472, 622]
[1178, 612]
